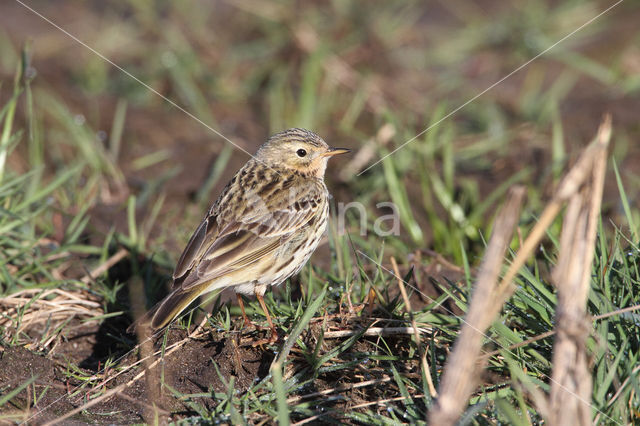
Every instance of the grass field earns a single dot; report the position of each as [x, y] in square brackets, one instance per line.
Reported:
[120, 122]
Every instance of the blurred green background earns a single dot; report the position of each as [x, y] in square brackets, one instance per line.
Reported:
[344, 69]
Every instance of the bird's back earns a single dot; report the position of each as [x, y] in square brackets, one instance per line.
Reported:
[260, 215]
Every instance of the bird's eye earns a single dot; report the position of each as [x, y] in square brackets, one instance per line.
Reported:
[301, 152]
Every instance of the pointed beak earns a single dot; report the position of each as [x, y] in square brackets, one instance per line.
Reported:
[335, 151]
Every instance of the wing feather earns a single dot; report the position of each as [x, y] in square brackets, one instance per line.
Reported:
[215, 251]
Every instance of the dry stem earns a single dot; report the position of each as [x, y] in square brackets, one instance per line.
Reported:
[461, 372]
[571, 380]
[575, 266]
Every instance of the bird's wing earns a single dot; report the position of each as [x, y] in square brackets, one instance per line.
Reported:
[215, 250]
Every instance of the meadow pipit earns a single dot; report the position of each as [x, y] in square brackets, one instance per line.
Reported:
[261, 230]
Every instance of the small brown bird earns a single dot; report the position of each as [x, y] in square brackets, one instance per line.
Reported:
[261, 230]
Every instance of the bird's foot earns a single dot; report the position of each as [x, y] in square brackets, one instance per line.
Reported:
[254, 341]
[273, 338]
[250, 325]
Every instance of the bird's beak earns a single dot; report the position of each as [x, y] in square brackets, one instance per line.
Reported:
[335, 151]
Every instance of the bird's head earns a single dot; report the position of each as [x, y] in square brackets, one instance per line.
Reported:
[298, 149]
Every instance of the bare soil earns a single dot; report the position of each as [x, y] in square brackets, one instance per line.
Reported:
[190, 370]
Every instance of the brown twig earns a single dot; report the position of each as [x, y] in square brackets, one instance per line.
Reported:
[533, 339]
[621, 389]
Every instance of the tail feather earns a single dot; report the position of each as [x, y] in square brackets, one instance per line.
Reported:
[171, 307]
[162, 314]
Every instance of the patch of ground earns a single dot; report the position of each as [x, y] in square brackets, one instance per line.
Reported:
[73, 367]
[189, 370]
[47, 391]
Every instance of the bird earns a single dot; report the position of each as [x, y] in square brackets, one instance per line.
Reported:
[261, 230]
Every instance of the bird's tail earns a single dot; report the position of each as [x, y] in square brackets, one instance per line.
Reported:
[167, 309]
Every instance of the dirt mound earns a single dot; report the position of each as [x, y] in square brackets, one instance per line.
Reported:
[205, 365]
[47, 388]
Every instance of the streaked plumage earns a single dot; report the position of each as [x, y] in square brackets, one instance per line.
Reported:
[261, 230]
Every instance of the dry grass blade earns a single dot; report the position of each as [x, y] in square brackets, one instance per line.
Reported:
[377, 331]
[103, 185]
[571, 381]
[416, 332]
[104, 267]
[31, 308]
[351, 386]
[461, 372]
[553, 332]
[571, 183]
[458, 379]
[380, 402]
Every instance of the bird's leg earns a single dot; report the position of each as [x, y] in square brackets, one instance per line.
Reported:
[247, 322]
[274, 334]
